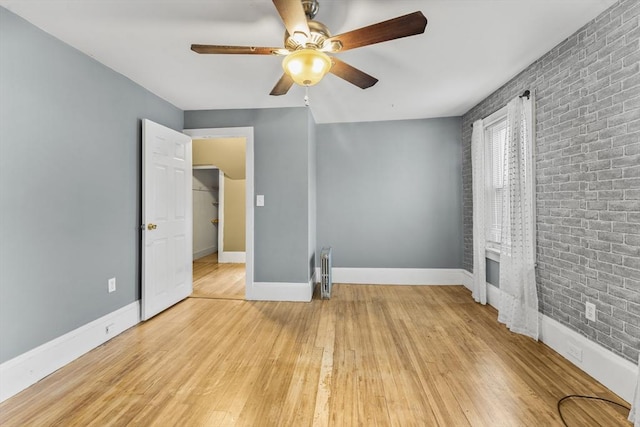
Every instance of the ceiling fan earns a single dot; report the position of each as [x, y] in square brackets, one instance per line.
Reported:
[307, 42]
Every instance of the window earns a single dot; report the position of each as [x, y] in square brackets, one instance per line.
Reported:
[495, 138]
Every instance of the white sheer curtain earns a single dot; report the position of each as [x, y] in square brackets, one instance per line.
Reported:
[634, 415]
[519, 298]
[479, 289]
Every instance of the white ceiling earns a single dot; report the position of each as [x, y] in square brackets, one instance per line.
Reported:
[469, 49]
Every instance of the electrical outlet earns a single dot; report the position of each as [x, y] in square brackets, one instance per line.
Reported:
[590, 311]
[575, 352]
[112, 285]
[109, 328]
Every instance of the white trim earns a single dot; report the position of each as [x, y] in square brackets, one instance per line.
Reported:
[315, 273]
[493, 296]
[204, 167]
[495, 117]
[493, 293]
[232, 257]
[492, 254]
[467, 279]
[397, 276]
[204, 252]
[312, 285]
[28, 368]
[247, 133]
[613, 371]
[278, 291]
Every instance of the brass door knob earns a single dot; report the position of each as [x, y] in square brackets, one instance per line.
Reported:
[152, 227]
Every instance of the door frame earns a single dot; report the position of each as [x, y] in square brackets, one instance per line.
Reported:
[247, 133]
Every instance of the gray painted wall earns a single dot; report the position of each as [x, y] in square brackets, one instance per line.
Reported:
[281, 158]
[313, 196]
[587, 174]
[390, 193]
[69, 186]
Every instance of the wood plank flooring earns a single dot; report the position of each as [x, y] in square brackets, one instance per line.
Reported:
[369, 356]
[213, 280]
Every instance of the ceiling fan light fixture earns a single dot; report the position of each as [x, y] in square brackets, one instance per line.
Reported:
[307, 66]
[307, 40]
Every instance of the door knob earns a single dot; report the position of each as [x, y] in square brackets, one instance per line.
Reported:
[152, 227]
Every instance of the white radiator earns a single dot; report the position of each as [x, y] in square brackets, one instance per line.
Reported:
[325, 273]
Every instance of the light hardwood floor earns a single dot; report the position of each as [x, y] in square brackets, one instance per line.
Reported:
[371, 355]
[213, 280]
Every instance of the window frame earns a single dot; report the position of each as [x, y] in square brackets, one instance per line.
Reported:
[492, 247]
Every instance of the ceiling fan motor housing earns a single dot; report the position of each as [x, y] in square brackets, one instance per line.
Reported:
[307, 42]
[319, 34]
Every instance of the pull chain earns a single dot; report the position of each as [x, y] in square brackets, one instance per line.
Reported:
[306, 96]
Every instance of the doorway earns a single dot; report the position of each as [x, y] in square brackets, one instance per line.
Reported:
[233, 277]
[219, 218]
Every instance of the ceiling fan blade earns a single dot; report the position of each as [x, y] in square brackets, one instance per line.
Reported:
[293, 16]
[396, 28]
[283, 85]
[237, 50]
[351, 74]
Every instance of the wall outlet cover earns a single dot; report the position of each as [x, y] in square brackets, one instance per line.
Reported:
[590, 311]
[575, 352]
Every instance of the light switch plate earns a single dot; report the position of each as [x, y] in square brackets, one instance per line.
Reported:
[260, 200]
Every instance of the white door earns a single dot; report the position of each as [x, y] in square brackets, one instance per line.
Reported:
[167, 276]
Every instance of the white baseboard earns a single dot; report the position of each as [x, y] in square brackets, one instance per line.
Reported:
[226, 257]
[493, 295]
[30, 367]
[276, 291]
[205, 252]
[397, 276]
[467, 279]
[315, 273]
[613, 371]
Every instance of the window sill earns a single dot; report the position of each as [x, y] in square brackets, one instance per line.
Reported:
[492, 254]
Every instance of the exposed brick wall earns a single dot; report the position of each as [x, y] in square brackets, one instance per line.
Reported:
[587, 92]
